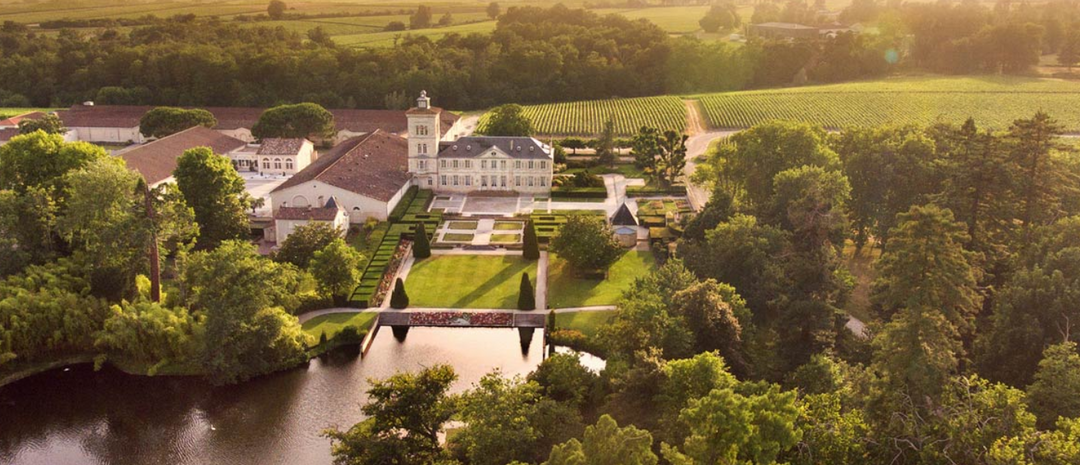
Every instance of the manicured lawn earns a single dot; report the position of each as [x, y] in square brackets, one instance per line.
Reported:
[505, 238]
[333, 323]
[468, 281]
[462, 225]
[566, 290]
[508, 225]
[588, 323]
[454, 237]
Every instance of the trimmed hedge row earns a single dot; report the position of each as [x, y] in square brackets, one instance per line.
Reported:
[411, 211]
[561, 193]
[642, 191]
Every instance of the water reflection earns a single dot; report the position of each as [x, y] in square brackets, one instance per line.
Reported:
[82, 416]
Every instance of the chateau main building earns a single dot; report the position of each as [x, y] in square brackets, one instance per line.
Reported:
[475, 163]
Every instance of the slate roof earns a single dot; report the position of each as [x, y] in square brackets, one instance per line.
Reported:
[229, 118]
[623, 217]
[375, 166]
[281, 146]
[156, 160]
[516, 147]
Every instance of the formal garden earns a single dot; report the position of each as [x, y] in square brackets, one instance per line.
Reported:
[468, 281]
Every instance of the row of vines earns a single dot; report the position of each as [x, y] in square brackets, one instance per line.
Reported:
[587, 118]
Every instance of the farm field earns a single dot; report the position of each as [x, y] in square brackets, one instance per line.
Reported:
[993, 101]
[587, 118]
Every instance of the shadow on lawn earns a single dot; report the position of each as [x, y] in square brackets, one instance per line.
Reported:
[517, 267]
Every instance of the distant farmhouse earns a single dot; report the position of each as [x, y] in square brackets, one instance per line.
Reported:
[10, 127]
[789, 31]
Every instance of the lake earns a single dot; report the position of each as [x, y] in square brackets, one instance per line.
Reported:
[79, 416]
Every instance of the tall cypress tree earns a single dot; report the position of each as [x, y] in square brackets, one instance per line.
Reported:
[527, 299]
[421, 246]
[399, 299]
[532, 246]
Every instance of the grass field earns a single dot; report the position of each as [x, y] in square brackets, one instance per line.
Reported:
[993, 101]
[9, 112]
[468, 281]
[567, 291]
[588, 323]
[334, 323]
[587, 118]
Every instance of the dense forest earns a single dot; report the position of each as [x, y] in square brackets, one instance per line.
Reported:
[735, 350]
[535, 55]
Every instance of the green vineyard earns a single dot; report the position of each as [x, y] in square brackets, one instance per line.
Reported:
[587, 118]
[993, 102]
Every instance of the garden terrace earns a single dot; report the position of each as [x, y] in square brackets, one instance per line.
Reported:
[468, 281]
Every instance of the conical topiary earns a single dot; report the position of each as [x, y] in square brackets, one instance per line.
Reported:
[527, 299]
[421, 245]
[532, 246]
[399, 299]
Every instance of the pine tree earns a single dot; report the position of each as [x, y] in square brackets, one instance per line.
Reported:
[422, 246]
[399, 299]
[532, 246]
[527, 299]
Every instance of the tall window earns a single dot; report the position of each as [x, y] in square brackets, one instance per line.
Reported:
[483, 181]
[543, 182]
[531, 164]
[502, 181]
[468, 180]
[543, 165]
[421, 148]
[494, 166]
[421, 130]
[442, 180]
[502, 164]
[530, 181]
[455, 180]
[468, 164]
[277, 163]
[483, 164]
[442, 163]
[422, 164]
[288, 164]
[517, 164]
[266, 163]
[517, 181]
[455, 163]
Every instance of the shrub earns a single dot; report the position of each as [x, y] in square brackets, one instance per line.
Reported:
[531, 244]
[584, 179]
[579, 193]
[403, 205]
[421, 245]
[399, 299]
[527, 298]
[348, 335]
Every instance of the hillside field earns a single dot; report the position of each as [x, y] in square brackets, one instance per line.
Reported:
[993, 101]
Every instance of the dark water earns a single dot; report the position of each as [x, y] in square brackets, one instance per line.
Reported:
[84, 417]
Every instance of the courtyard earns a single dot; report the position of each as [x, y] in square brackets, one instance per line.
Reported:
[468, 281]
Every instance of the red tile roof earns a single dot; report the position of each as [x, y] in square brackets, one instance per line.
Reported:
[7, 134]
[156, 160]
[375, 166]
[14, 120]
[277, 146]
[307, 213]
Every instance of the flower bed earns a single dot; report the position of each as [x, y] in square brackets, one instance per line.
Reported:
[460, 319]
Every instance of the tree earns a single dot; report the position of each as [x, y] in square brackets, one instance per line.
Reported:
[302, 244]
[917, 352]
[661, 155]
[605, 145]
[50, 124]
[606, 444]
[337, 269]
[1043, 181]
[421, 18]
[926, 267]
[729, 427]
[493, 10]
[421, 246]
[165, 121]
[152, 334]
[643, 321]
[249, 331]
[508, 120]
[23, 161]
[405, 414]
[587, 244]
[1056, 390]
[298, 121]
[1069, 55]
[27, 225]
[717, 315]
[531, 244]
[526, 295]
[215, 191]
[563, 378]
[399, 299]
[754, 157]
[276, 10]
[509, 419]
[720, 18]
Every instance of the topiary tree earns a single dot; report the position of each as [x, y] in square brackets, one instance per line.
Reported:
[527, 298]
[399, 299]
[421, 245]
[532, 245]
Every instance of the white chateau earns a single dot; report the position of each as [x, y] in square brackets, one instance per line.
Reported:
[472, 164]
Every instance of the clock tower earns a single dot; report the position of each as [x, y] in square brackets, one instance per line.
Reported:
[425, 132]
